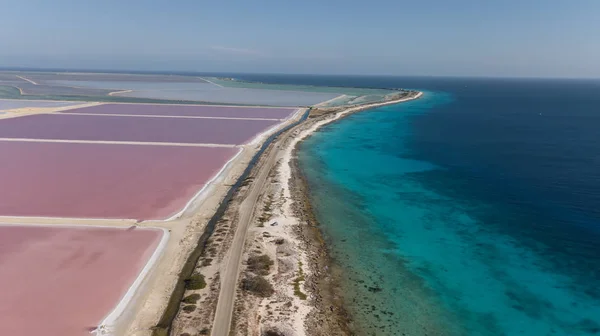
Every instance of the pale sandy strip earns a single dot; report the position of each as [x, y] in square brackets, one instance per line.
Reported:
[59, 221]
[105, 327]
[167, 116]
[27, 80]
[330, 100]
[18, 88]
[41, 100]
[208, 104]
[211, 82]
[76, 226]
[27, 111]
[120, 142]
[76, 106]
[9, 114]
[262, 136]
[119, 92]
[50, 109]
[295, 113]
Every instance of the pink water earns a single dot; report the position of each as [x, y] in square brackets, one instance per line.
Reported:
[188, 110]
[138, 129]
[59, 281]
[103, 181]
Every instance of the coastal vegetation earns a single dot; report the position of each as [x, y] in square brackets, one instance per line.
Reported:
[273, 332]
[196, 281]
[191, 299]
[258, 285]
[297, 282]
[266, 215]
[260, 264]
[189, 308]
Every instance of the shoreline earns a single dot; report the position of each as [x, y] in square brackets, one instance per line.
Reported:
[327, 310]
[108, 324]
[260, 213]
[305, 298]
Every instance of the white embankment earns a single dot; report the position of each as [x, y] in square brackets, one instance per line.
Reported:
[107, 326]
[206, 185]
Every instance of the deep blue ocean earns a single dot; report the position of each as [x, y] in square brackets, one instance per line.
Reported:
[472, 211]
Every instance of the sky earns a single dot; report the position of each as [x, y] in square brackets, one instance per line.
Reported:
[514, 38]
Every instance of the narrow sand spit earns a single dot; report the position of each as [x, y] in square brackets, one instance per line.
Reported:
[114, 93]
[276, 317]
[27, 80]
[270, 224]
[325, 103]
[20, 112]
[213, 83]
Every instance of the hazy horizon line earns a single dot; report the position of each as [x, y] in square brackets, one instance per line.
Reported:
[204, 73]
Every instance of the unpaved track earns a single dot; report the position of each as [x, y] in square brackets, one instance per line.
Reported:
[231, 268]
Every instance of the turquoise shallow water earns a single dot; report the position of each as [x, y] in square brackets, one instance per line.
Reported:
[433, 236]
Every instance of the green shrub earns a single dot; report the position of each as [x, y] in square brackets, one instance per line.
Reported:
[189, 308]
[258, 286]
[297, 291]
[273, 333]
[157, 331]
[191, 299]
[260, 265]
[196, 281]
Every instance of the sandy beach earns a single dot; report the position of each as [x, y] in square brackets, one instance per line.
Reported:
[19, 112]
[303, 250]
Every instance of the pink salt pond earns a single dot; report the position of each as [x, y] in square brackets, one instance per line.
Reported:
[75, 180]
[66, 280]
[135, 129]
[188, 110]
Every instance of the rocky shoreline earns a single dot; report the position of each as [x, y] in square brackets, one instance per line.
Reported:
[329, 316]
